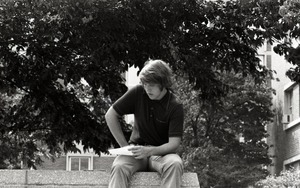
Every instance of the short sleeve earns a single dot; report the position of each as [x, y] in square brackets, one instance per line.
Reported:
[126, 103]
[176, 122]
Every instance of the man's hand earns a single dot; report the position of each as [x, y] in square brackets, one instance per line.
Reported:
[140, 152]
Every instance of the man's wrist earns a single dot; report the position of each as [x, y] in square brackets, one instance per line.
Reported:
[123, 144]
[151, 151]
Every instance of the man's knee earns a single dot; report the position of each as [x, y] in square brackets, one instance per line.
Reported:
[175, 162]
[118, 167]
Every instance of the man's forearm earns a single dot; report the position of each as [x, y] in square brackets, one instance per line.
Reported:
[167, 148]
[115, 127]
[163, 149]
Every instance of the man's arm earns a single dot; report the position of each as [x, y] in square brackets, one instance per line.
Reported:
[140, 152]
[112, 120]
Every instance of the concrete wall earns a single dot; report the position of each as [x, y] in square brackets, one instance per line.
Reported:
[100, 163]
[82, 179]
[276, 139]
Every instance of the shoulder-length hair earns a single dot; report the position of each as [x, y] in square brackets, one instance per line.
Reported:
[157, 72]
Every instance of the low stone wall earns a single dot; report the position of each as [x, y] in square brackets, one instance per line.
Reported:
[82, 179]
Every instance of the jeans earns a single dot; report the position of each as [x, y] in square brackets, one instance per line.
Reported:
[170, 168]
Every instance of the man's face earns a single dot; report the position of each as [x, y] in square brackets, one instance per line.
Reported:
[154, 91]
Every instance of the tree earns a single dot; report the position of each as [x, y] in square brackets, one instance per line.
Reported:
[47, 47]
[289, 47]
[42, 58]
[224, 139]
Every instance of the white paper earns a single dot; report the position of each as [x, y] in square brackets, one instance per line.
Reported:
[121, 151]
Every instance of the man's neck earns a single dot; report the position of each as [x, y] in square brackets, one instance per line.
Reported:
[163, 93]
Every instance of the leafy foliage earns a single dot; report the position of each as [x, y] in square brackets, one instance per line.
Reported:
[224, 139]
[290, 46]
[49, 47]
[288, 178]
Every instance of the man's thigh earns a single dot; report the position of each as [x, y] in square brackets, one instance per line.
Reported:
[130, 163]
[158, 163]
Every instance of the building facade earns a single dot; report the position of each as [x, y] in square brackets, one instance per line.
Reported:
[284, 131]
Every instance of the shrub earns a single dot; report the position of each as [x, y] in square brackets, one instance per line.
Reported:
[288, 178]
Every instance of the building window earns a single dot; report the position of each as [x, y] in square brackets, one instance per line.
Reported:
[79, 162]
[289, 102]
[291, 107]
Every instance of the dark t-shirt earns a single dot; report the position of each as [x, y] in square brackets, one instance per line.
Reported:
[154, 120]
